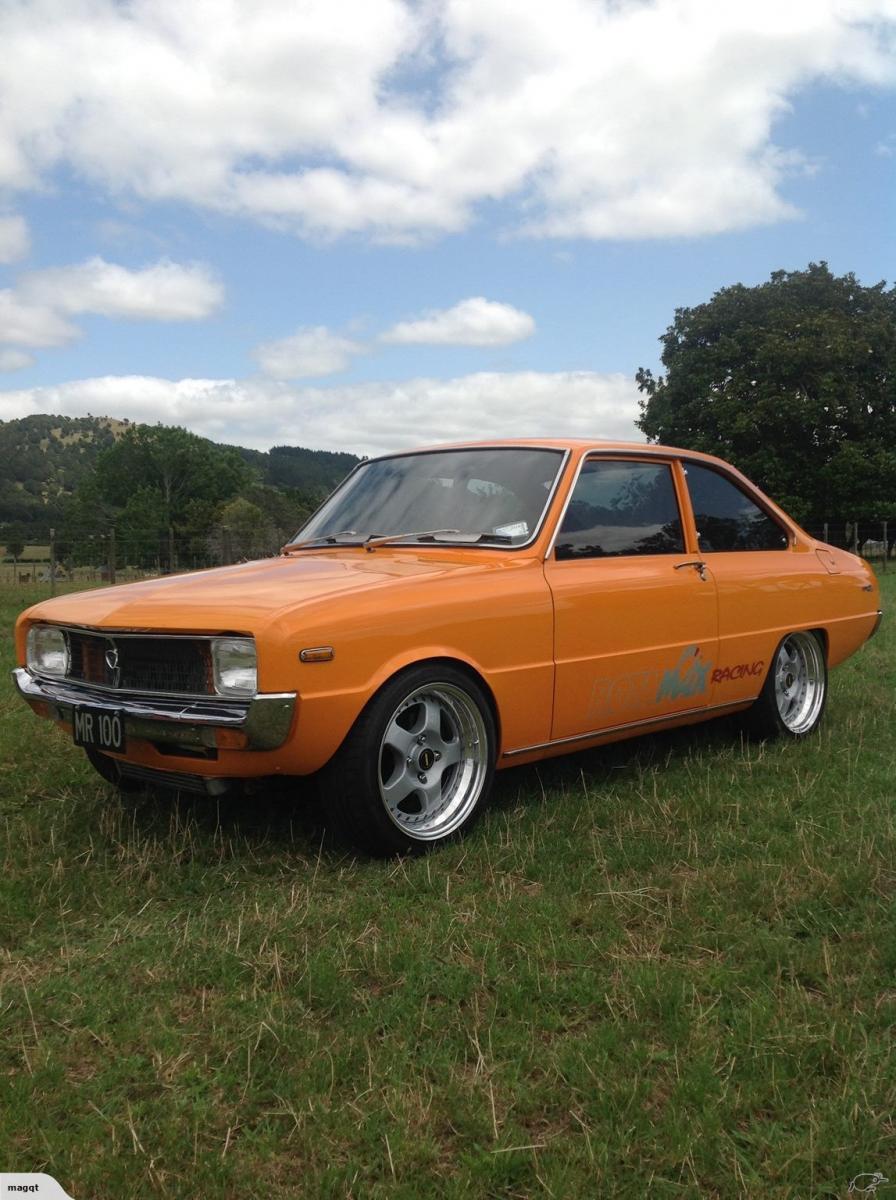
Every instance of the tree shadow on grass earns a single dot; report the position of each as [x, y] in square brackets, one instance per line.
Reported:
[267, 820]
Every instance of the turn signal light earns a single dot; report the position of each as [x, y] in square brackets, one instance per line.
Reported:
[317, 654]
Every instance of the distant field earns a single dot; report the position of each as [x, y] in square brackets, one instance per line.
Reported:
[667, 968]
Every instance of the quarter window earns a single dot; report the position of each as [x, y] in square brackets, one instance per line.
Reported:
[726, 518]
[621, 508]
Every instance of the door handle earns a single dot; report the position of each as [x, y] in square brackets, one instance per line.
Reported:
[698, 565]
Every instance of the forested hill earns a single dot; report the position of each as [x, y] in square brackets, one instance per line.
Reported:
[296, 467]
[44, 459]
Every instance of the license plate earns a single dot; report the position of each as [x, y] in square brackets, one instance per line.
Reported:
[99, 728]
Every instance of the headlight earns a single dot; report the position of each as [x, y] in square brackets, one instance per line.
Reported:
[46, 650]
[234, 664]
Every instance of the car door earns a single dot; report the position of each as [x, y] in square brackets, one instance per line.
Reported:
[635, 620]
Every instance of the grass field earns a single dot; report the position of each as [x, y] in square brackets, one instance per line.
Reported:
[666, 969]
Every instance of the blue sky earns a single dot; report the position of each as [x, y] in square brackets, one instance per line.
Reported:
[363, 224]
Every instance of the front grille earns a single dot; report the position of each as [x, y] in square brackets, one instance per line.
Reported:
[171, 665]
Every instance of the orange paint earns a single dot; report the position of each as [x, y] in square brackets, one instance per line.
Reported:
[573, 652]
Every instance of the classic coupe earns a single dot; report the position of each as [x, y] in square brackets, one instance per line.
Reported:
[450, 611]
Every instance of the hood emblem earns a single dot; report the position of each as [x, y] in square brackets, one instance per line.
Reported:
[111, 657]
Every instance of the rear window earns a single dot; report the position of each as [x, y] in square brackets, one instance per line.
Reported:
[726, 518]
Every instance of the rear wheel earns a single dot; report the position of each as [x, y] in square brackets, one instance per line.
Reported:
[794, 694]
[417, 765]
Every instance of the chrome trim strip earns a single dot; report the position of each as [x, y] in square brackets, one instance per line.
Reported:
[565, 456]
[265, 719]
[128, 693]
[109, 632]
[597, 733]
[665, 453]
[626, 454]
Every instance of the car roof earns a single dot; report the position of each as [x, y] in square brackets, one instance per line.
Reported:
[597, 445]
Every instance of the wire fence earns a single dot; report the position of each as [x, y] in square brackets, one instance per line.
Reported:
[107, 555]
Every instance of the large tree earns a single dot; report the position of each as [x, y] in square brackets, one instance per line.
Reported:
[166, 470]
[794, 381]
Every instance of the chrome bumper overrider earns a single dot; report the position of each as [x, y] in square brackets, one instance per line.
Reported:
[265, 719]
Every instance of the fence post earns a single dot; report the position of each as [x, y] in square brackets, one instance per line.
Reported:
[826, 538]
[112, 554]
[52, 562]
[886, 546]
[855, 537]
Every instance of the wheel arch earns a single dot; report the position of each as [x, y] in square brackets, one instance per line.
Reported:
[824, 637]
[818, 631]
[434, 660]
[352, 779]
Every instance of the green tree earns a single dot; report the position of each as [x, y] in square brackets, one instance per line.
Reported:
[84, 528]
[176, 466]
[15, 543]
[242, 531]
[794, 381]
[142, 528]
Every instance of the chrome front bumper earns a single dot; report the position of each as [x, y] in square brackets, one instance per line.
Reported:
[265, 720]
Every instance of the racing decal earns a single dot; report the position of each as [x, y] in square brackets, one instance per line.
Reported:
[641, 690]
[741, 671]
[689, 676]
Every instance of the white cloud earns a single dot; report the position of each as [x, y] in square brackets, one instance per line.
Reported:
[14, 360]
[26, 324]
[627, 118]
[307, 353]
[315, 351]
[164, 291]
[14, 239]
[367, 418]
[473, 322]
[35, 312]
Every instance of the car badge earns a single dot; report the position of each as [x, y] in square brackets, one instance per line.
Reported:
[111, 657]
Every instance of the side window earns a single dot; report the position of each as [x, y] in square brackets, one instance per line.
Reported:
[621, 508]
[726, 518]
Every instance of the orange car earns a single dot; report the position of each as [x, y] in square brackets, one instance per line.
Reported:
[450, 611]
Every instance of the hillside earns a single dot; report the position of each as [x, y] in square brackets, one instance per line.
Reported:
[43, 459]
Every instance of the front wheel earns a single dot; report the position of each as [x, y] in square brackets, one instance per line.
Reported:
[417, 765]
[795, 691]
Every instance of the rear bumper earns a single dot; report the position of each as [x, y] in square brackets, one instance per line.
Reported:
[264, 721]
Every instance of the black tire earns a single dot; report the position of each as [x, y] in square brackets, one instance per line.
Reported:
[794, 695]
[108, 768]
[417, 765]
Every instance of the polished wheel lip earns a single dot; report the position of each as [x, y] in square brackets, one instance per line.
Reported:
[435, 749]
[799, 677]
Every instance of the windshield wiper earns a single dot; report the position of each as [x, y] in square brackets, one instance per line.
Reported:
[328, 539]
[449, 536]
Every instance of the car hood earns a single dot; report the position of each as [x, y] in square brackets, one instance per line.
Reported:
[247, 597]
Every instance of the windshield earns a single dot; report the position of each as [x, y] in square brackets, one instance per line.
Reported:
[475, 495]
